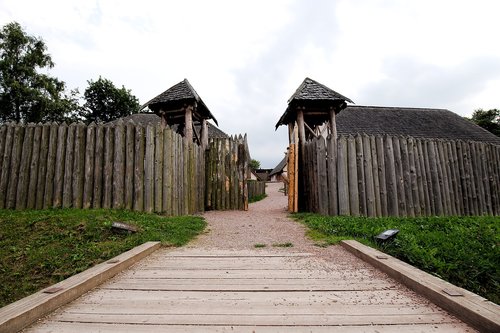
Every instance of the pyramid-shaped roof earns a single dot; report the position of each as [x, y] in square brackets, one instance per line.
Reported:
[314, 96]
[177, 95]
[311, 90]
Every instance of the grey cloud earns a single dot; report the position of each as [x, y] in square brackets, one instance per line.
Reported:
[260, 84]
[413, 83]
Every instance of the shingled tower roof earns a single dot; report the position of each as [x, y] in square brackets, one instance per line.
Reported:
[315, 98]
[176, 97]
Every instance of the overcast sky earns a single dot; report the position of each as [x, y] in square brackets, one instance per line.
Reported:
[246, 58]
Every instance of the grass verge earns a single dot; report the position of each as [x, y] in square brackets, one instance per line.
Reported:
[257, 198]
[462, 250]
[40, 248]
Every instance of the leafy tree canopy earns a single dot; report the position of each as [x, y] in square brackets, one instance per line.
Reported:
[104, 102]
[26, 95]
[254, 164]
[487, 119]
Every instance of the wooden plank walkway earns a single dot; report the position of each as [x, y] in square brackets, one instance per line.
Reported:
[261, 290]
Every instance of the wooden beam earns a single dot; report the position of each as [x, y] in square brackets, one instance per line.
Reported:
[204, 133]
[188, 123]
[300, 123]
[310, 130]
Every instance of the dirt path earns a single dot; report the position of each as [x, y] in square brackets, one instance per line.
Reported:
[222, 283]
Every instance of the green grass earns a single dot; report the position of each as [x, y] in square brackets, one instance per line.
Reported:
[40, 248]
[259, 245]
[462, 250]
[257, 198]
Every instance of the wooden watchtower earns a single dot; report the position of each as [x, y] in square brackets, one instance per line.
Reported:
[310, 114]
[180, 105]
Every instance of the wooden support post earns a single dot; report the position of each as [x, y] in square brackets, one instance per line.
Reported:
[302, 130]
[188, 123]
[204, 134]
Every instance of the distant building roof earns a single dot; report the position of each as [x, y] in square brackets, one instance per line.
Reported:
[279, 168]
[315, 97]
[414, 122]
[175, 97]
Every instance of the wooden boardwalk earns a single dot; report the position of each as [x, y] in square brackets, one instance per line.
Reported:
[261, 290]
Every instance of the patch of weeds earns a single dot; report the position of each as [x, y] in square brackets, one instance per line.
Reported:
[257, 198]
[259, 245]
[288, 244]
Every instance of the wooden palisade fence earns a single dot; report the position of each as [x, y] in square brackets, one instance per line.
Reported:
[256, 188]
[123, 166]
[401, 176]
[226, 169]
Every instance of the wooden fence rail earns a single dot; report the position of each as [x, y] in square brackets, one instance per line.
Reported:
[401, 176]
[124, 166]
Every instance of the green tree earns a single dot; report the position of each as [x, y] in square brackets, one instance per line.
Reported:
[26, 95]
[488, 119]
[104, 102]
[254, 164]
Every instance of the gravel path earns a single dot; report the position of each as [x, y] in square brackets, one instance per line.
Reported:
[266, 222]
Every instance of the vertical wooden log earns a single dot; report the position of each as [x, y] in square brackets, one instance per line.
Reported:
[390, 172]
[67, 193]
[414, 176]
[24, 168]
[376, 177]
[158, 169]
[185, 185]
[343, 180]
[223, 174]
[175, 174]
[353, 176]
[443, 178]
[42, 165]
[379, 141]
[48, 169]
[98, 184]
[140, 147]
[405, 164]
[424, 195]
[107, 197]
[6, 159]
[188, 122]
[3, 134]
[149, 169]
[167, 171]
[59, 162]
[88, 184]
[236, 185]
[323, 201]
[241, 175]
[485, 176]
[118, 183]
[361, 175]
[34, 163]
[455, 168]
[332, 165]
[493, 158]
[436, 188]
[129, 164]
[461, 154]
[192, 178]
[204, 134]
[448, 160]
[428, 177]
[79, 166]
[371, 208]
[477, 176]
[17, 145]
[471, 180]
[399, 177]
